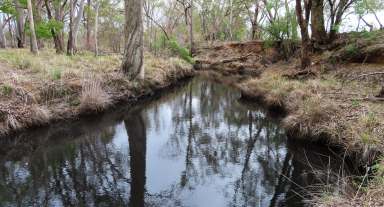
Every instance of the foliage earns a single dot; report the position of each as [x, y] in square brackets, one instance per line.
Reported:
[363, 7]
[282, 28]
[7, 7]
[43, 29]
[181, 51]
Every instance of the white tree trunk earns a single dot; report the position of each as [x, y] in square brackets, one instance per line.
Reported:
[34, 47]
[3, 41]
[77, 22]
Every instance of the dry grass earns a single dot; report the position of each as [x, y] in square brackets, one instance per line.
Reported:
[93, 97]
[16, 117]
[326, 106]
[331, 108]
[370, 195]
[59, 87]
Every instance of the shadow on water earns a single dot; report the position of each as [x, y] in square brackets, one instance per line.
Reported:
[197, 146]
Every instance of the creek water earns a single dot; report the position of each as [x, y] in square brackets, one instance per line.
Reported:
[199, 145]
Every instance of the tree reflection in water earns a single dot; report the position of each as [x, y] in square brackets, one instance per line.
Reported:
[197, 147]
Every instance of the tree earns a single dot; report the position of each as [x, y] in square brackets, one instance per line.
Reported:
[188, 18]
[34, 47]
[319, 35]
[37, 7]
[96, 28]
[337, 9]
[303, 20]
[3, 41]
[58, 16]
[76, 25]
[88, 24]
[133, 52]
[364, 7]
[70, 44]
[256, 17]
[20, 35]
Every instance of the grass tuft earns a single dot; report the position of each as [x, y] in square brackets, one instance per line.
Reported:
[6, 90]
[93, 97]
[56, 74]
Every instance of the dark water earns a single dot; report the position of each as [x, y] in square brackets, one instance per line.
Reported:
[197, 146]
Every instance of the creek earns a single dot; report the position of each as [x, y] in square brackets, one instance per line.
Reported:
[199, 145]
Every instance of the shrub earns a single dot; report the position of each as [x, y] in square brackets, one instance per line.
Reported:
[181, 51]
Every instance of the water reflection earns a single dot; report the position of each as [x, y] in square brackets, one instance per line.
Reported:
[198, 146]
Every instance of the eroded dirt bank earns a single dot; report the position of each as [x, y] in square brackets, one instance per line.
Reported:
[335, 102]
[36, 91]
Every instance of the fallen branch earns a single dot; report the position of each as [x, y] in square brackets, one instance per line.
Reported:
[367, 74]
[225, 60]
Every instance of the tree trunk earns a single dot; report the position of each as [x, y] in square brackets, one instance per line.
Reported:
[76, 26]
[319, 34]
[305, 41]
[20, 35]
[133, 52]
[88, 26]
[255, 26]
[59, 45]
[337, 17]
[37, 7]
[11, 33]
[34, 47]
[191, 41]
[70, 43]
[230, 19]
[96, 28]
[3, 41]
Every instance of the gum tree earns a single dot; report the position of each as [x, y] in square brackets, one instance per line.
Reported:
[34, 47]
[133, 51]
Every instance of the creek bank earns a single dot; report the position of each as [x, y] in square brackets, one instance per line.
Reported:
[37, 91]
[331, 106]
[327, 107]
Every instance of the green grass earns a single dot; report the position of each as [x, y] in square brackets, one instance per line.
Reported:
[6, 90]
[56, 74]
[351, 50]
